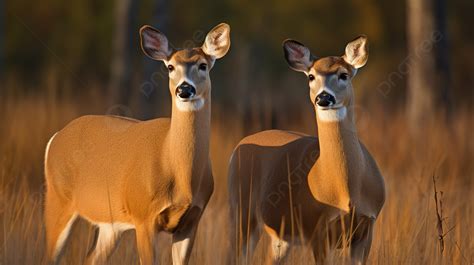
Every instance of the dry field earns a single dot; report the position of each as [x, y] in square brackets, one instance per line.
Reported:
[406, 231]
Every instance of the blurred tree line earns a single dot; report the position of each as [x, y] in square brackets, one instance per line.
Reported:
[85, 41]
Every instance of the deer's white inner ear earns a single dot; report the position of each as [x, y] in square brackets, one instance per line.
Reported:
[217, 41]
[357, 53]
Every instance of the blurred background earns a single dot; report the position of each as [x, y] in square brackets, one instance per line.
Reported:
[84, 47]
[414, 101]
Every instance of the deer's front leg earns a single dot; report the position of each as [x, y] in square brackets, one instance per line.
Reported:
[361, 241]
[145, 243]
[183, 237]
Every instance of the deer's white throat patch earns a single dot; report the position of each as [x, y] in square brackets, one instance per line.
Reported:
[191, 105]
[332, 115]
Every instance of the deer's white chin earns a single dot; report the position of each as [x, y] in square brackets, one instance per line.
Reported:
[332, 114]
[194, 104]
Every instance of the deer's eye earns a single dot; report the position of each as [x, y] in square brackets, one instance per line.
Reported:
[203, 67]
[343, 76]
[170, 68]
[311, 77]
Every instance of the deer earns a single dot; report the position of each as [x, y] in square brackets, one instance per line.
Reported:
[322, 192]
[150, 176]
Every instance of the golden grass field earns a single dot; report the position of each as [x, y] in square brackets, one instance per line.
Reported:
[406, 231]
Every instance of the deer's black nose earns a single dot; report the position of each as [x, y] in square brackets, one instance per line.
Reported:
[325, 99]
[185, 91]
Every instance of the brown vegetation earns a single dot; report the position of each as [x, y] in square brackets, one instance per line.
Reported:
[406, 231]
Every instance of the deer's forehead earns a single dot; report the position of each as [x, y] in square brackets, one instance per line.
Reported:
[188, 56]
[331, 65]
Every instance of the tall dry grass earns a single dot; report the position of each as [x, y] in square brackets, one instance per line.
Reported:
[405, 233]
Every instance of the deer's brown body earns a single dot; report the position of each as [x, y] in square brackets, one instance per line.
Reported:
[123, 191]
[150, 176]
[296, 187]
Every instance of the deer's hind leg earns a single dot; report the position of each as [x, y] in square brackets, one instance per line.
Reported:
[106, 241]
[252, 233]
[245, 233]
[59, 218]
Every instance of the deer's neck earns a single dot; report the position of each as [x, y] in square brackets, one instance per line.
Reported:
[335, 176]
[188, 144]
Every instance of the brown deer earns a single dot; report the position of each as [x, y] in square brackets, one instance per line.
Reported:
[151, 176]
[299, 189]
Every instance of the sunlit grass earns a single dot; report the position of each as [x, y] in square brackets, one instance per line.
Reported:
[405, 232]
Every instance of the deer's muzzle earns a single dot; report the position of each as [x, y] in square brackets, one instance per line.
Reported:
[324, 99]
[185, 91]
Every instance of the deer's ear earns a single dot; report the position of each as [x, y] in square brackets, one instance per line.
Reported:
[217, 41]
[154, 43]
[357, 52]
[297, 55]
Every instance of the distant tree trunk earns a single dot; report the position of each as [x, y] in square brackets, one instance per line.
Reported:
[428, 80]
[124, 37]
[154, 85]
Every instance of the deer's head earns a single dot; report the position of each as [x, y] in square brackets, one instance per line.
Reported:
[329, 77]
[189, 81]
